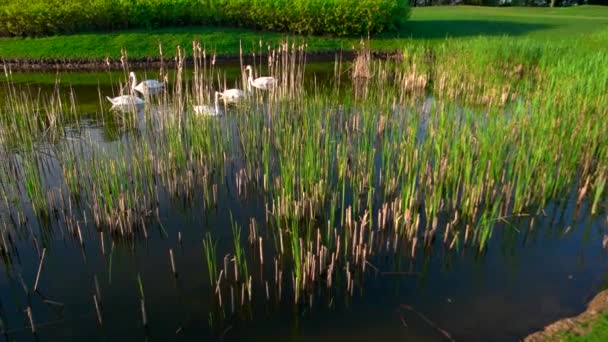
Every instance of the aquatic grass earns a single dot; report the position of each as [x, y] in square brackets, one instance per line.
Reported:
[34, 186]
[140, 287]
[240, 262]
[418, 153]
[121, 191]
[600, 183]
[210, 250]
[30, 119]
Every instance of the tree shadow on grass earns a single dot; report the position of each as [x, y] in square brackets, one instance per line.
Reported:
[433, 29]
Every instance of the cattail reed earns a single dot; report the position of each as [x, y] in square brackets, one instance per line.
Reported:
[218, 289]
[97, 289]
[97, 310]
[172, 260]
[144, 315]
[39, 269]
[261, 253]
[30, 317]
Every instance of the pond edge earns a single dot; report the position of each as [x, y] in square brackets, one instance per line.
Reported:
[597, 306]
[105, 64]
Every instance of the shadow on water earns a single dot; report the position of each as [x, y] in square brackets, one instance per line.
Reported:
[433, 29]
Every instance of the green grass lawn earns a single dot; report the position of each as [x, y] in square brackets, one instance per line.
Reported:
[595, 331]
[426, 24]
[540, 22]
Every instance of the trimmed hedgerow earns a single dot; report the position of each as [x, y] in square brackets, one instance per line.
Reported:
[334, 17]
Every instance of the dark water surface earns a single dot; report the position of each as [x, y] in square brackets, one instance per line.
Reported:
[524, 279]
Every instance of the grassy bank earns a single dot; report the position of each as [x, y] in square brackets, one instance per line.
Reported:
[594, 331]
[426, 24]
[589, 326]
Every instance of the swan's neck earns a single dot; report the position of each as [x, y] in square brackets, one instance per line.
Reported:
[133, 81]
[249, 82]
[217, 106]
[249, 79]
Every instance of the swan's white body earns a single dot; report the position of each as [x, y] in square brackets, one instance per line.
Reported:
[207, 110]
[232, 95]
[147, 87]
[264, 83]
[125, 100]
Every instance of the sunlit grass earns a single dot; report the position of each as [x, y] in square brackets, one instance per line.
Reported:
[426, 24]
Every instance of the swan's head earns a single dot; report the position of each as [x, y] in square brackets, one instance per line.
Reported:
[248, 68]
[131, 74]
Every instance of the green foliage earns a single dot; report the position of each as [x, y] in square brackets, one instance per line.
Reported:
[210, 252]
[335, 17]
[426, 25]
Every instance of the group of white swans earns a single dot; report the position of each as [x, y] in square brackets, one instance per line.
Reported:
[153, 87]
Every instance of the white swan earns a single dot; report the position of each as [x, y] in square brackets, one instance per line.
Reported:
[147, 87]
[264, 83]
[209, 110]
[125, 100]
[232, 95]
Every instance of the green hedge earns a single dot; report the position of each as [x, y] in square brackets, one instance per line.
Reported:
[334, 17]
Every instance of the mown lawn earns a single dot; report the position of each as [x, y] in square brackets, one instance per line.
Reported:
[426, 24]
[540, 22]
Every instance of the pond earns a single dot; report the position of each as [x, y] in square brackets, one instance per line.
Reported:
[328, 211]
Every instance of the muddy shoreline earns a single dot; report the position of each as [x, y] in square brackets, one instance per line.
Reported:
[597, 306]
[104, 64]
